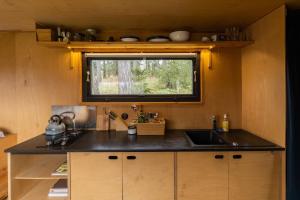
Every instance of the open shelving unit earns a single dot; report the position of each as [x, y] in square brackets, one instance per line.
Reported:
[41, 170]
[30, 176]
[145, 46]
[40, 191]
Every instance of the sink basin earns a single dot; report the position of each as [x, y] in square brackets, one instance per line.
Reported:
[198, 138]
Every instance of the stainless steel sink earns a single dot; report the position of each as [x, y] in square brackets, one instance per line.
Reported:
[204, 138]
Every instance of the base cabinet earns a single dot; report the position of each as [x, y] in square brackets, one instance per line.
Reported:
[202, 176]
[254, 176]
[118, 176]
[234, 176]
[96, 176]
[149, 175]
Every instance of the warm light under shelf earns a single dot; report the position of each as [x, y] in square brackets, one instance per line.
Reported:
[146, 46]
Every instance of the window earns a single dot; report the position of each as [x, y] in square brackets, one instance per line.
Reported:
[141, 77]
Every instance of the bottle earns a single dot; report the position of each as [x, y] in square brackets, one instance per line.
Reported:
[225, 123]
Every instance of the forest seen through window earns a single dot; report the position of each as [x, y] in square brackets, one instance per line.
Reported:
[141, 76]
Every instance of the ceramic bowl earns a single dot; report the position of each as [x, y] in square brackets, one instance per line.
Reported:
[179, 36]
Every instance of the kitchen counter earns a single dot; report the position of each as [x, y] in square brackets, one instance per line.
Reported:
[173, 140]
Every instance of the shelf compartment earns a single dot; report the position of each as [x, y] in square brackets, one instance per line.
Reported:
[39, 191]
[37, 166]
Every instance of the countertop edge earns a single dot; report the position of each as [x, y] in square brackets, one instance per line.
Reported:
[28, 147]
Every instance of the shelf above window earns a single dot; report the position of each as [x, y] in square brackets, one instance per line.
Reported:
[145, 46]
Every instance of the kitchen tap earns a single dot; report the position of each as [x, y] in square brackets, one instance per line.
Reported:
[213, 127]
[111, 116]
[214, 123]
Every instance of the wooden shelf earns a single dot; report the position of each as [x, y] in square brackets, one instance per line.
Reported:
[145, 46]
[42, 169]
[40, 191]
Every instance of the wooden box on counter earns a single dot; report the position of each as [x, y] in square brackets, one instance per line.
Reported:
[151, 128]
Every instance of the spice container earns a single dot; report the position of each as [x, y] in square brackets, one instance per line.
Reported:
[131, 130]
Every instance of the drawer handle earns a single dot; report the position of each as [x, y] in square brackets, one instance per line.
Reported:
[219, 156]
[237, 156]
[113, 157]
[131, 157]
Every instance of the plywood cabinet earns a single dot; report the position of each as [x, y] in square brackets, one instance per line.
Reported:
[117, 176]
[254, 176]
[236, 176]
[96, 176]
[199, 175]
[148, 176]
[202, 175]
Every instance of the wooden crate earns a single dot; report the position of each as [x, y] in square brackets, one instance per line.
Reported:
[151, 128]
[44, 34]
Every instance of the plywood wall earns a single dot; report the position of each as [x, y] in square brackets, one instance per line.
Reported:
[7, 82]
[263, 78]
[45, 76]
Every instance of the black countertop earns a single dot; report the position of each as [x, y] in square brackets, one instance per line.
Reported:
[173, 140]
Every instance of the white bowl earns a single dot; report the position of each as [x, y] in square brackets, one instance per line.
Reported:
[179, 36]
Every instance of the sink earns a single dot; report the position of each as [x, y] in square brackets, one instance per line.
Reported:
[204, 137]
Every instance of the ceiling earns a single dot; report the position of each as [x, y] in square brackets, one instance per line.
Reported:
[294, 4]
[152, 15]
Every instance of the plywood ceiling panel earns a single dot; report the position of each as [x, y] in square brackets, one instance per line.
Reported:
[294, 4]
[196, 15]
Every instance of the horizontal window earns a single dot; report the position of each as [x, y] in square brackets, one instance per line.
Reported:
[143, 77]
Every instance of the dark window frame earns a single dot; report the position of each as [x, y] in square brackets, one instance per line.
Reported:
[88, 97]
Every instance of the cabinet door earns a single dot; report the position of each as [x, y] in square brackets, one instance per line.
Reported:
[96, 176]
[202, 176]
[254, 176]
[148, 176]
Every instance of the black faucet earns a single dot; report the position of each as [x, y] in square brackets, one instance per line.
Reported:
[214, 124]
